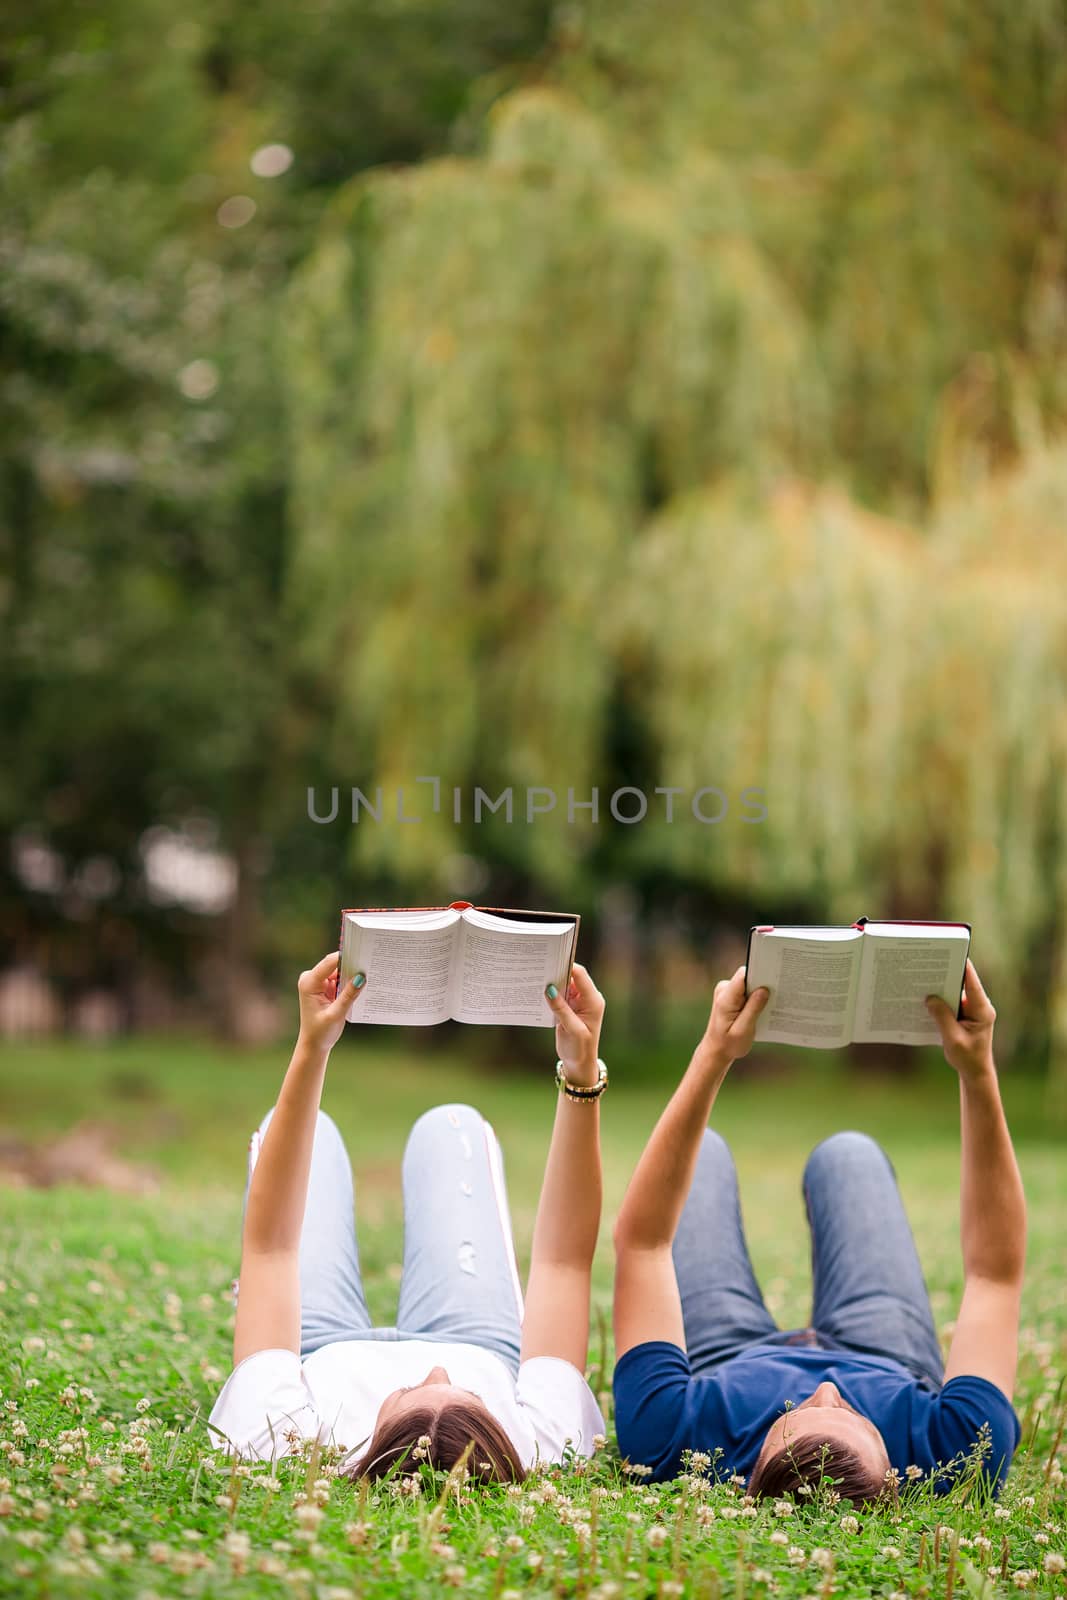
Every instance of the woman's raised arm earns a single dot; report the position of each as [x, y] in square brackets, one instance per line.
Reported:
[268, 1306]
[556, 1322]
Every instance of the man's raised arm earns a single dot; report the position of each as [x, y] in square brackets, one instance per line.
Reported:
[992, 1204]
[647, 1305]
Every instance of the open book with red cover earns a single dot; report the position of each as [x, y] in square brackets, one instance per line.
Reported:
[864, 983]
[427, 964]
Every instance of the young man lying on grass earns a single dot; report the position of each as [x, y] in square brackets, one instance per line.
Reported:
[861, 1395]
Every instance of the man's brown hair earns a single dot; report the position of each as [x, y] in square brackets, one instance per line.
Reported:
[820, 1461]
[451, 1429]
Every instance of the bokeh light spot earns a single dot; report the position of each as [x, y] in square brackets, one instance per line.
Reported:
[199, 380]
[236, 211]
[271, 160]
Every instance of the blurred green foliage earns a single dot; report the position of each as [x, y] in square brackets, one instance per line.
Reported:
[600, 395]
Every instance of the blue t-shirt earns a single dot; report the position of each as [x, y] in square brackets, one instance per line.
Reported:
[662, 1410]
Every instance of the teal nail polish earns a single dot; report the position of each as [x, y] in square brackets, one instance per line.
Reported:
[359, 980]
[552, 991]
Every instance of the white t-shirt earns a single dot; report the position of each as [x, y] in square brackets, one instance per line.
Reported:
[335, 1393]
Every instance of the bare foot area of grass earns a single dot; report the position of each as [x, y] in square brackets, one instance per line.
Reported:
[84, 1155]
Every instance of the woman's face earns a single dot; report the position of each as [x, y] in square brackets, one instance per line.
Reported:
[435, 1391]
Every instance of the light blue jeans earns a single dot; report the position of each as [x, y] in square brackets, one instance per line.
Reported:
[459, 1282]
[869, 1294]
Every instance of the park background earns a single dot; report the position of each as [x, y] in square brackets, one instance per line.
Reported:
[579, 397]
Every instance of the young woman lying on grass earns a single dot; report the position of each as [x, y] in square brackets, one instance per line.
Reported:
[861, 1396]
[466, 1365]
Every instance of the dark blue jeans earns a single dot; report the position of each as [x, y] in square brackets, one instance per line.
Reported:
[869, 1294]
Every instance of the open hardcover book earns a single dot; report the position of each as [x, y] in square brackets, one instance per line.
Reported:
[428, 964]
[862, 984]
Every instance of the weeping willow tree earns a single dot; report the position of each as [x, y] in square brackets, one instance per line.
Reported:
[498, 367]
[567, 422]
[901, 698]
[901, 164]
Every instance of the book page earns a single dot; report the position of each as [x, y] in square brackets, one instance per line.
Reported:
[900, 967]
[813, 974]
[491, 920]
[501, 975]
[408, 968]
[434, 917]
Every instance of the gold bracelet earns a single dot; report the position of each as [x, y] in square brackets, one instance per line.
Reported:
[579, 1091]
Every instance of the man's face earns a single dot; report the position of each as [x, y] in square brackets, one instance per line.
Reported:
[826, 1414]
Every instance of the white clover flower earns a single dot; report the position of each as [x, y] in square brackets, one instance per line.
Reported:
[913, 1472]
[778, 1537]
[1054, 1562]
[1023, 1577]
[784, 1508]
[309, 1517]
[656, 1537]
[822, 1558]
[890, 1551]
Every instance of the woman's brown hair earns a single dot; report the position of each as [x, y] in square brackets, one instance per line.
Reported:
[450, 1430]
[820, 1462]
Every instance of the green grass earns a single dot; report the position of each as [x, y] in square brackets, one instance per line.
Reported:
[106, 1301]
